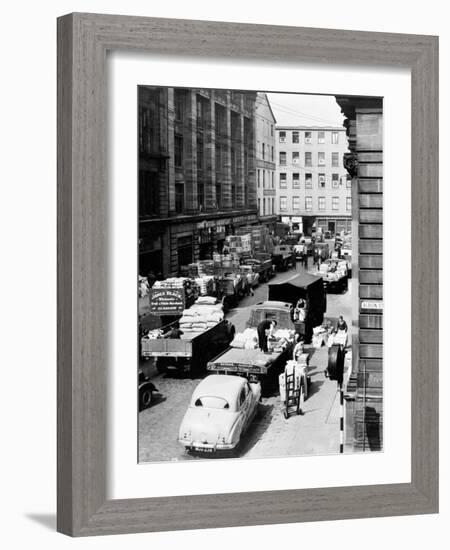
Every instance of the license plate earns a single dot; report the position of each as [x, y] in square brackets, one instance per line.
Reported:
[203, 449]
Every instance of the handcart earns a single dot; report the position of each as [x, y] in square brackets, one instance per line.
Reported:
[293, 389]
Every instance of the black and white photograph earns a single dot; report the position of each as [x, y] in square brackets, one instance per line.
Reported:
[260, 274]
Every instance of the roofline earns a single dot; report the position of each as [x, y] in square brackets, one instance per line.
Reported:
[301, 127]
[268, 103]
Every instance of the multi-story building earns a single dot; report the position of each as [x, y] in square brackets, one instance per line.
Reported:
[197, 177]
[312, 187]
[265, 160]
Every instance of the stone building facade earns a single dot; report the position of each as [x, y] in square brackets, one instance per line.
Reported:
[197, 173]
[364, 162]
[265, 160]
[312, 188]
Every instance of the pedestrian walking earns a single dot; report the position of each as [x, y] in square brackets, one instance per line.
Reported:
[265, 330]
[249, 287]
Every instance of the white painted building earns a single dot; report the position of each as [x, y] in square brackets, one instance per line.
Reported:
[311, 181]
[265, 159]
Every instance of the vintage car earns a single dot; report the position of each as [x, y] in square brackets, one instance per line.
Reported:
[222, 407]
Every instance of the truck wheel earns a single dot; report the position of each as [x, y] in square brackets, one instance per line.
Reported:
[286, 415]
[145, 398]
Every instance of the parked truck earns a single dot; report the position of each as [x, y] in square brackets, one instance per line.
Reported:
[190, 351]
[262, 264]
[231, 285]
[283, 257]
[254, 364]
[309, 289]
[335, 275]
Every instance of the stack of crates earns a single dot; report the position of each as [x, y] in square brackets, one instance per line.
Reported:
[205, 267]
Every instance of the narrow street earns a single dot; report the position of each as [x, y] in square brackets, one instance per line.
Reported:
[270, 435]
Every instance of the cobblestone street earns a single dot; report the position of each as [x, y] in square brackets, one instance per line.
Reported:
[270, 435]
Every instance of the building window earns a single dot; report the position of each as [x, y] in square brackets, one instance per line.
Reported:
[200, 116]
[178, 151]
[295, 203]
[179, 198]
[295, 157]
[201, 195]
[348, 203]
[308, 159]
[273, 185]
[271, 130]
[322, 203]
[321, 181]
[295, 180]
[335, 180]
[264, 179]
[283, 204]
[218, 157]
[259, 206]
[295, 137]
[272, 157]
[334, 159]
[283, 180]
[308, 137]
[320, 137]
[321, 157]
[263, 151]
[200, 159]
[349, 182]
[218, 194]
[282, 137]
[148, 193]
[308, 204]
[334, 138]
[259, 179]
[264, 207]
[273, 206]
[179, 105]
[282, 158]
[335, 203]
[308, 181]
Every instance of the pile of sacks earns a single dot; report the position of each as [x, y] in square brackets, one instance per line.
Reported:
[204, 314]
[143, 287]
[246, 340]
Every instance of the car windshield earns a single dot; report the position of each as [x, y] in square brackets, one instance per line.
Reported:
[212, 402]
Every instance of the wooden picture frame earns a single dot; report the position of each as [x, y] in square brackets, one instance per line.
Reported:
[83, 41]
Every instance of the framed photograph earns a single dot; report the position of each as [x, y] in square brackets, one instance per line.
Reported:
[247, 259]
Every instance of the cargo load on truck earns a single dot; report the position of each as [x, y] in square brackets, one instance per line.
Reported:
[335, 275]
[188, 344]
[244, 357]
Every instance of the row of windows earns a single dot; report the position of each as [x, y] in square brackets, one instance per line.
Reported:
[336, 180]
[321, 203]
[263, 179]
[268, 206]
[265, 149]
[295, 158]
[308, 136]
